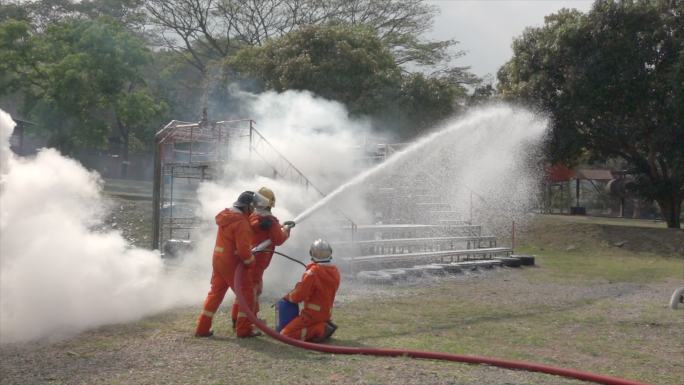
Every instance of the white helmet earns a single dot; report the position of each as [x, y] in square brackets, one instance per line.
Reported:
[320, 251]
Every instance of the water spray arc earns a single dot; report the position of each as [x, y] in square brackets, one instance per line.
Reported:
[414, 151]
[507, 364]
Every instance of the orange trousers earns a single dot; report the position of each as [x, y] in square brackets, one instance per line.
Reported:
[304, 328]
[257, 274]
[220, 283]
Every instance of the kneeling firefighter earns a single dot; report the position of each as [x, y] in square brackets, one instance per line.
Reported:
[265, 226]
[316, 291]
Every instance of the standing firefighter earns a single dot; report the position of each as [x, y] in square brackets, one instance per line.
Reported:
[233, 244]
[316, 290]
[265, 226]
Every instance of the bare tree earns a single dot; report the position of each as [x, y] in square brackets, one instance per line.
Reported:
[186, 26]
[207, 29]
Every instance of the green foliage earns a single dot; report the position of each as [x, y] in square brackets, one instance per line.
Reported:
[613, 82]
[84, 70]
[424, 101]
[482, 93]
[13, 11]
[353, 66]
[77, 77]
[348, 64]
[356, 70]
[42, 13]
[138, 115]
[216, 27]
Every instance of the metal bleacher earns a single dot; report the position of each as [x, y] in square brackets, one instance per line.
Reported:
[416, 228]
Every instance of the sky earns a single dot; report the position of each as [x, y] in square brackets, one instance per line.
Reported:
[486, 28]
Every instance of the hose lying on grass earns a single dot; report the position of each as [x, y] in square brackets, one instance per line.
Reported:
[521, 365]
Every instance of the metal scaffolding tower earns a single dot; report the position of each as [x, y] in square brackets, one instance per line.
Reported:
[188, 153]
[185, 155]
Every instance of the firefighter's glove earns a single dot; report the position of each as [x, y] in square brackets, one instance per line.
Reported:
[265, 223]
[289, 224]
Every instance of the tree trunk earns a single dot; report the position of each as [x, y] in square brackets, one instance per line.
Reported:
[671, 209]
[123, 131]
[124, 158]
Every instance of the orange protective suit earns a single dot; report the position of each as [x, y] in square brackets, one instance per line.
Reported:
[264, 226]
[233, 245]
[316, 290]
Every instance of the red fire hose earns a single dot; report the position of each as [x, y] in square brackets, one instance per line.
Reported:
[529, 366]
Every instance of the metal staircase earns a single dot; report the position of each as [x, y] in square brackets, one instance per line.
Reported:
[415, 227]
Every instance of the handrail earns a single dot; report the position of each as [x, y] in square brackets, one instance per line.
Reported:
[307, 181]
[282, 157]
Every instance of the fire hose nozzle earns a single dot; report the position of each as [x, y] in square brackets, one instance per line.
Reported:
[261, 247]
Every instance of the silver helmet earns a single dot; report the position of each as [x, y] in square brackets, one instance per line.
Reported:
[320, 251]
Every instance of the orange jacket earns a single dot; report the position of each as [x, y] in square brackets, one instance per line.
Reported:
[266, 227]
[317, 290]
[233, 242]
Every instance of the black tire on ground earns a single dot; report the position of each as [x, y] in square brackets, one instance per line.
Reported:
[413, 272]
[467, 265]
[677, 299]
[450, 268]
[510, 261]
[374, 277]
[526, 260]
[484, 264]
[431, 269]
[496, 263]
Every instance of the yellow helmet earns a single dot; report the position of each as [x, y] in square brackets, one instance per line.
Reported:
[266, 192]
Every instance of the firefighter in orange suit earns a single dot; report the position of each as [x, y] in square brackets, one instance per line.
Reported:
[264, 226]
[316, 291]
[233, 245]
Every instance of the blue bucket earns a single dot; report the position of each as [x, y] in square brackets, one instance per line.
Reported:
[285, 311]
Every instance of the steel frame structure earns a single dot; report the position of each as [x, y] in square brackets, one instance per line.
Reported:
[191, 152]
[196, 151]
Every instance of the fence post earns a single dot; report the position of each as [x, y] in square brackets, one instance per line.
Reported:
[513, 237]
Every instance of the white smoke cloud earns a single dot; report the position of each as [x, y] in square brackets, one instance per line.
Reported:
[58, 276]
[6, 129]
[483, 165]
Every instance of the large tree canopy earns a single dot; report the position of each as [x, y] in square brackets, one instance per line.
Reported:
[81, 79]
[207, 29]
[613, 82]
[97, 69]
[351, 64]
[206, 34]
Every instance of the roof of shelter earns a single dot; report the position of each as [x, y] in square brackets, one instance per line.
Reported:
[597, 174]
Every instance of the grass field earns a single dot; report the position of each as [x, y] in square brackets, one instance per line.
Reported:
[596, 301]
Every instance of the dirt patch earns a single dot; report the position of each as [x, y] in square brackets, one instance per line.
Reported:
[133, 218]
